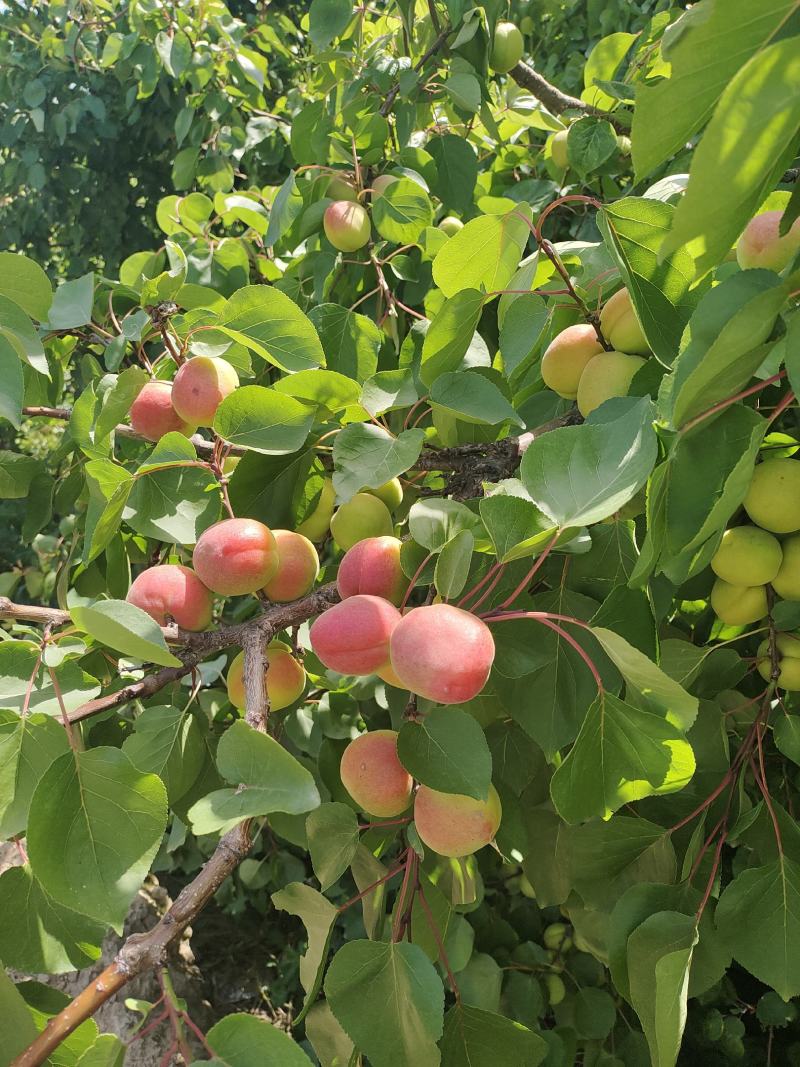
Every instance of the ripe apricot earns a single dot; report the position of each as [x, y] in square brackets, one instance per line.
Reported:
[762, 246]
[236, 556]
[737, 605]
[200, 386]
[373, 566]
[298, 567]
[152, 413]
[606, 375]
[352, 637]
[442, 653]
[773, 499]
[374, 776]
[507, 48]
[171, 591]
[456, 825]
[346, 225]
[363, 516]
[747, 555]
[620, 327]
[317, 524]
[285, 678]
[566, 357]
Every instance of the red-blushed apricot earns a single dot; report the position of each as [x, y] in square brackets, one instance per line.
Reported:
[353, 637]
[762, 246]
[450, 225]
[317, 524]
[373, 566]
[346, 225]
[620, 327]
[381, 184]
[200, 386]
[236, 556]
[442, 653]
[298, 567]
[363, 516]
[456, 825]
[285, 677]
[374, 776]
[606, 375]
[152, 413]
[566, 357]
[171, 591]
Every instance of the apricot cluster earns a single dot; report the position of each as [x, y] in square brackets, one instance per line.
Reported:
[577, 367]
[367, 514]
[448, 823]
[186, 403]
[751, 557]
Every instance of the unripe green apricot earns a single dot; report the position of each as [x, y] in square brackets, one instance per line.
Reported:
[450, 225]
[738, 605]
[747, 555]
[341, 187]
[507, 48]
[316, 525]
[788, 646]
[556, 990]
[346, 225]
[527, 25]
[786, 582]
[363, 516]
[381, 184]
[526, 888]
[607, 375]
[556, 937]
[620, 327]
[558, 149]
[566, 358]
[773, 499]
[391, 493]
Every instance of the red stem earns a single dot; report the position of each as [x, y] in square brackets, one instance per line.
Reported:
[528, 577]
[413, 581]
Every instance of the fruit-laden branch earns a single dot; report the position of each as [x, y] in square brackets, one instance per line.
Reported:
[144, 952]
[554, 99]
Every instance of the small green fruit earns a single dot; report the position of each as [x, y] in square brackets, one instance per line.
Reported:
[556, 990]
[558, 149]
[507, 48]
[747, 555]
[363, 516]
[451, 225]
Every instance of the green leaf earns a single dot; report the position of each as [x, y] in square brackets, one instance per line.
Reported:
[244, 1040]
[388, 389]
[786, 734]
[264, 420]
[169, 742]
[275, 781]
[331, 1044]
[271, 488]
[109, 487]
[601, 465]
[27, 748]
[126, 629]
[351, 341]
[595, 1013]
[318, 916]
[117, 400]
[433, 523]
[364, 455]
[484, 1039]
[758, 917]
[267, 322]
[608, 857]
[450, 335]
[12, 383]
[332, 391]
[328, 19]
[18, 329]
[286, 207]
[447, 750]
[515, 525]
[649, 683]
[760, 108]
[456, 171]
[72, 304]
[18, 664]
[165, 286]
[18, 1029]
[39, 935]
[635, 229]
[389, 999]
[107, 1051]
[704, 48]
[590, 142]
[402, 212]
[621, 754]
[453, 563]
[332, 832]
[547, 863]
[24, 282]
[95, 825]
[659, 957]
[484, 255]
[473, 398]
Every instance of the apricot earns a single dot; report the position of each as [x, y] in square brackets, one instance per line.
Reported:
[773, 499]
[363, 516]
[352, 637]
[606, 375]
[346, 225]
[620, 327]
[786, 582]
[558, 149]
[747, 555]
[762, 246]
[372, 566]
[737, 605]
[507, 48]
[200, 386]
[455, 825]
[391, 493]
[442, 653]
[381, 184]
[341, 187]
[788, 646]
[556, 990]
[285, 678]
[316, 525]
[566, 357]
[152, 413]
[236, 556]
[171, 591]
[298, 567]
[451, 225]
[374, 776]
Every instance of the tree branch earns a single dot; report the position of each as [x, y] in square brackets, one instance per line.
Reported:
[557, 101]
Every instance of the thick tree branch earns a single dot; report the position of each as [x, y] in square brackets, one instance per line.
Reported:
[555, 100]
